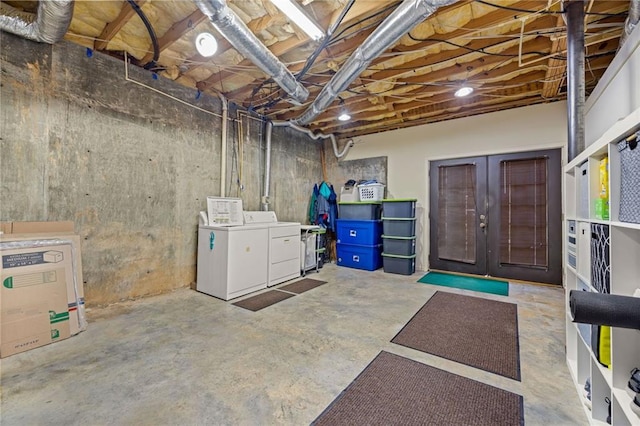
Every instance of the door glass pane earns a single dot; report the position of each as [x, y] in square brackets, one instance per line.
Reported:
[457, 213]
[524, 213]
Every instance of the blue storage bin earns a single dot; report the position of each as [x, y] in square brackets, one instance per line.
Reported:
[360, 232]
[368, 258]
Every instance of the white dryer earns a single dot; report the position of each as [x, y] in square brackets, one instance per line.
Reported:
[284, 246]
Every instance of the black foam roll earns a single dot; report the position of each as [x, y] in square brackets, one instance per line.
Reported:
[605, 309]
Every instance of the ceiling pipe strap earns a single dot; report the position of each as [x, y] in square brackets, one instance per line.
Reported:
[48, 25]
[244, 41]
[406, 16]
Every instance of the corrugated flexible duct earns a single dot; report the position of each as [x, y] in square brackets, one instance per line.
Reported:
[244, 41]
[406, 16]
[631, 22]
[48, 25]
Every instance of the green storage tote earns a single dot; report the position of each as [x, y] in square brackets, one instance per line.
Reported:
[401, 208]
[403, 265]
[403, 246]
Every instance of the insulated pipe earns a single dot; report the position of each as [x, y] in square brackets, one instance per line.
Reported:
[406, 16]
[48, 25]
[223, 143]
[314, 136]
[575, 77]
[244, 41]
[631, 21]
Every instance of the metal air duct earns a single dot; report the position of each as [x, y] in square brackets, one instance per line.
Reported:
[406, 16]
[244, 41]
[48, 25]
[631, 22]
[575, 77]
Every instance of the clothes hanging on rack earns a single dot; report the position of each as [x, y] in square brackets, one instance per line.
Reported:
[323, 207]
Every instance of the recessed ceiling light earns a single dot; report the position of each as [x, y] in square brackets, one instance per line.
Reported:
[206, 44]
[344, 117]
[463, 91]
[299, 17]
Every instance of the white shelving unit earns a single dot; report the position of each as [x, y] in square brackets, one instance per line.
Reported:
[624, 257]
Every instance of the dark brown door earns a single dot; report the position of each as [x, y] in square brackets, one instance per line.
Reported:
[498, 215]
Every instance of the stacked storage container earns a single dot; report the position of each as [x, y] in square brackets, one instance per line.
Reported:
[359, 232]
[399, 236]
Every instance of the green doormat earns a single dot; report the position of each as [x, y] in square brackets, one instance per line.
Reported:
[466, 283]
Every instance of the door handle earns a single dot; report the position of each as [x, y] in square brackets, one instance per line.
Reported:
[483, 225]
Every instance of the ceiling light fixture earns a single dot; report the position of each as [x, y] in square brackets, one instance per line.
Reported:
[300, 18]
[206, 44]
[463, 91]
[344, 112]
[344, 116]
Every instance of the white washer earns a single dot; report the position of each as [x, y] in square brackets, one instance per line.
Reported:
[284, 246]
[232, 260]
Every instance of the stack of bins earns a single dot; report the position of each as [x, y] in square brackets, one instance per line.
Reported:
[399, 236]
[359, 235]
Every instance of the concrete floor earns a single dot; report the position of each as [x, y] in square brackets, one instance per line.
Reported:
[188, 358]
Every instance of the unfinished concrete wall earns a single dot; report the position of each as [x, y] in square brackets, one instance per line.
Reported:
[339, 171]
[131, 167]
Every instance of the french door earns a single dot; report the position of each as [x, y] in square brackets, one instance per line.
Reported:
[497, 215]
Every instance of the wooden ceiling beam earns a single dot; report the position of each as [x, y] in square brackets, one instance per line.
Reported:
[484, 22]
[445, 73]
[339, 49]
[176, 32]
[475, 25]
[449, 105]
[410, 122]
[457, 58]
[516, 85]
[597, 68]
[112, 28]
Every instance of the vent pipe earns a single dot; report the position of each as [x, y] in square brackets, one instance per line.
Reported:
[244, 41]
[631, 21]
[48, 25]
[406, 16]
[575, 77]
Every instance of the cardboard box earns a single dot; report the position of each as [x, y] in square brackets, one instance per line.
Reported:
[46, 261]
[61, 227]
[33, 297]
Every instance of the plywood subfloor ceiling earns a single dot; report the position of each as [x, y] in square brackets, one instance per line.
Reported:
[512, 52]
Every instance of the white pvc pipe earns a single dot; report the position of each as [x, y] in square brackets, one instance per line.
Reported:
[223, 143]
[314, 136]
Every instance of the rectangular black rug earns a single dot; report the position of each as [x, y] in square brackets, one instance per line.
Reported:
[262, 300]
[478, 332]
[394, 390]
[301, 286]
